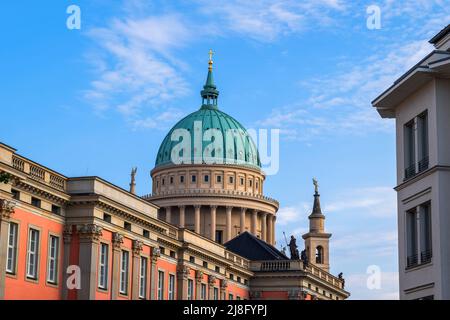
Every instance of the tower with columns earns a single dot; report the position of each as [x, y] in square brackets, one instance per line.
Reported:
[217, 199]
[317, 240]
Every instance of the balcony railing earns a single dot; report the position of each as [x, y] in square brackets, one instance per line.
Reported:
[221, 192]
[39, 173]
[425, 256]
[410, 171]
[412, 261]
[423, 164]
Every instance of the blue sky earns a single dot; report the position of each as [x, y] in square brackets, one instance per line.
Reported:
[99, 100]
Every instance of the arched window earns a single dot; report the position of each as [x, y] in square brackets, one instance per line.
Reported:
[319, 254]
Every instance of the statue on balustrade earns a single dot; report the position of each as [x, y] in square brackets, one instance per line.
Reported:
[293, 248]
[304, 258]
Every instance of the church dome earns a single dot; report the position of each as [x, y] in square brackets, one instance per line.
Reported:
[237, 147]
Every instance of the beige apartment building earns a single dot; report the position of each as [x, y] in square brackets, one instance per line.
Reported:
[419, 101]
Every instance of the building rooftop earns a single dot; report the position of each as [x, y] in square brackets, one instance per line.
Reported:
[440, 35]
[253, 248]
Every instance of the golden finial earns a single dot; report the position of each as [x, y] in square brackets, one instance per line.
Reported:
[211, 53]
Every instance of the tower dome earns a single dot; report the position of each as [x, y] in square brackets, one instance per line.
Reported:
[237, 146]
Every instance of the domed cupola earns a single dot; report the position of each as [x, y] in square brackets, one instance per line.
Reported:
[240, 149]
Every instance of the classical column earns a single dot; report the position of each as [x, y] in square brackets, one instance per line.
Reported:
[274, 218]
[264, 226]
[228, 224]
[156, 253]
[169, 214]
[182, 283]
[254, 221]
[242, 226]
[182, 219]
[137, 250]
[89, 235]
[197, 218]
[6, 210]
[269, 228]
[213, 223]
[117, 240]
[198, 284]
[211, 284]
[67, 237]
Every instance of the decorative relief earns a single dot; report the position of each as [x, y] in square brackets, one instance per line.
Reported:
[6, 208]
[156, 253]
[117, 240]
[137, 247]
[198, 275]
[67, 233]
[183, 271]
[212, 280]
[223, 284]
[90, 231]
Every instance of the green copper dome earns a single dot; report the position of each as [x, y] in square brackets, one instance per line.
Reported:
[236, 147]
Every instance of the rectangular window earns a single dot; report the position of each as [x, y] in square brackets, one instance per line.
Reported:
[193, 178]
[425, 233]
[171, 180]
[190, 293]
[217, 269]
[103, 266]
[203, 291]
[172, 254]
[124, 272]
[219, 236]
[32, 254]
[36, 202]
[238, 279]
[127, 226]
[422, 143]
[52, 264]
[205, 264]
[191, 259]
[12, 248]
[411, 238]
[230, 296]
[238, 298]
[181, 179]
[216, 293]
[107, 217]
[410, 150]
[206, 178]
[242, 181]
[171, 287]
[250, 183]
[15, 194]
[143, 278]
[231, 179]
[219, 179]
[56, 209]
[146, 233]
[161, 285]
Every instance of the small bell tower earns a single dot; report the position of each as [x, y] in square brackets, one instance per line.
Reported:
[317, 240]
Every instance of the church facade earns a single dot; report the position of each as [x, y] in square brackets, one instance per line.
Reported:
[207, 231]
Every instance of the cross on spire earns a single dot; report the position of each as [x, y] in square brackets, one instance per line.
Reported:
[211, 53]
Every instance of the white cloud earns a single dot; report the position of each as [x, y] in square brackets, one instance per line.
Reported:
[340, 103]
[378, 202]
[357, 285]
[292, 214]
[135, 70]
[266, 20]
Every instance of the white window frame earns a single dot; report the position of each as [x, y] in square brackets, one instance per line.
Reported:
[103, 262]
[11, 259]
[216, 293]
[33, 254]
[160, 285]
[53, 259]
[203, 291]
[124, 272]
[190, 289]
[171, 287]
[143, 277]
